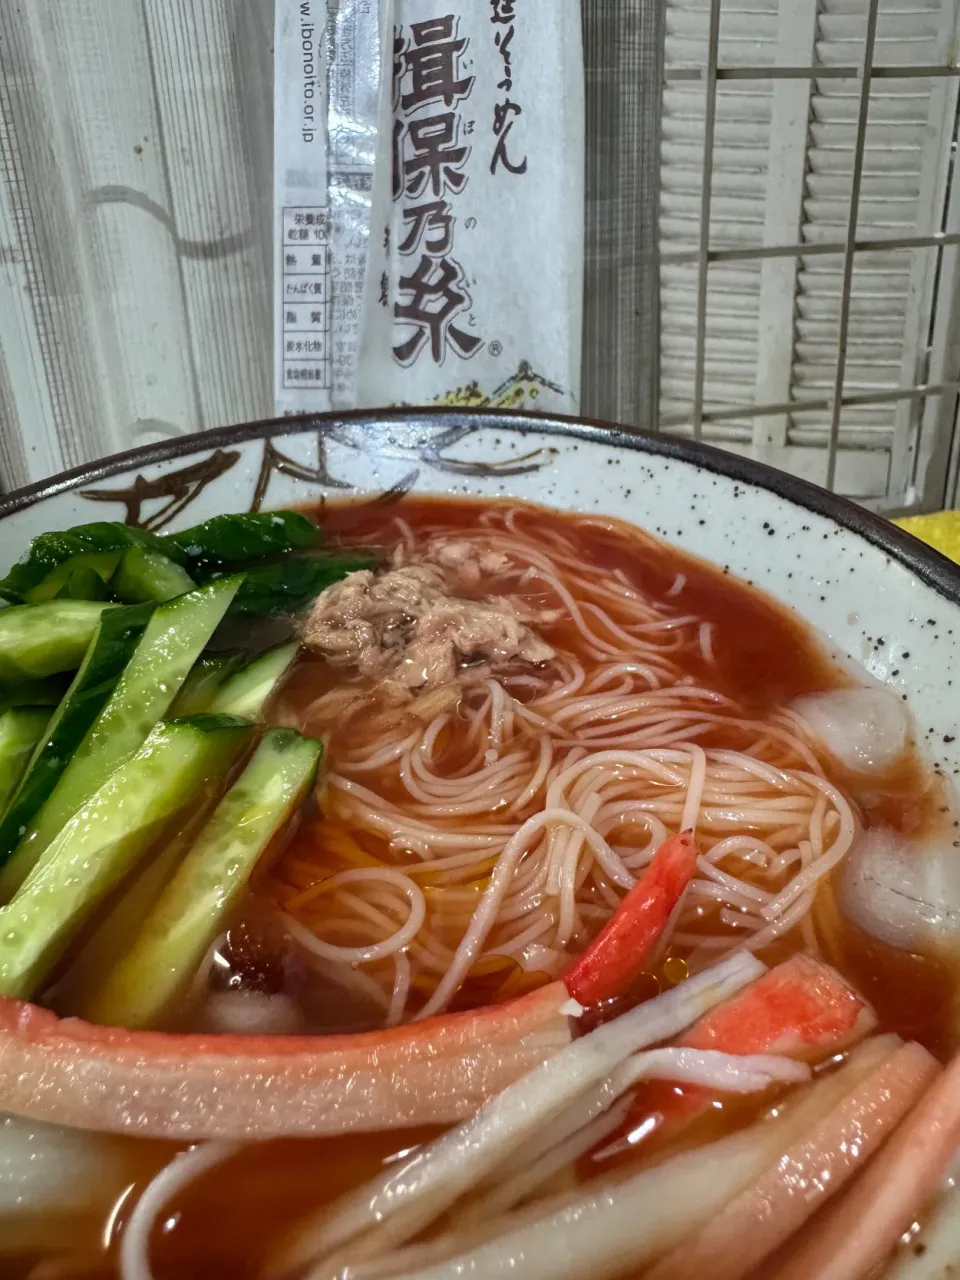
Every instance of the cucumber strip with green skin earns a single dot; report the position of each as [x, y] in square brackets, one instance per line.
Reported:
[104, 841]
[104, 950]
[34, 693]
[39, 640]
[83, 584]
[247, 692]
[204, 681]
[193, 908]
[174, 638]
[102, 563]
[21, 728]
[107, 944]
[110, 650]
[148, 575]
[291, 584]
[237, 539]
[49, 550]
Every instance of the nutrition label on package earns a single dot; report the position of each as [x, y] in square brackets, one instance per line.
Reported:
[327, 105]
[303, 298]
[305, 301]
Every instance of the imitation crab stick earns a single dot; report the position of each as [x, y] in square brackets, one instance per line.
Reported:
[801, 1009]
[192, 1087]
[606, 1229]
[410, 1194]
[862, 1229]
[619, 951]
[815, 1167]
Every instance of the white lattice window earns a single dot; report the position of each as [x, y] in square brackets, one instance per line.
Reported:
[809, 224]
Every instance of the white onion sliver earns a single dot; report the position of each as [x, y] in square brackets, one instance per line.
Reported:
[534, 1173]
[726, 1073]
[404, 1198]
[586, 1235]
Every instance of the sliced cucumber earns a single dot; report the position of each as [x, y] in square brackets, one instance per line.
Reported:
[110, 650]
[247, 692]
[105, 840]
[83, 584]
[148, 575]
[173, 640]
[237, 539]
[34, 693]
[50, 550]
[39, 640]
[100, 564]
[21, 728]
[202, 684]
[291, 584]
[195, 904]
[107, 944]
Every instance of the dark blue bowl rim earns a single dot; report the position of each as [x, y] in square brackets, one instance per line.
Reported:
[929, 565]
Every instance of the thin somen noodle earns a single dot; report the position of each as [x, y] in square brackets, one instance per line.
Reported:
[503, 824]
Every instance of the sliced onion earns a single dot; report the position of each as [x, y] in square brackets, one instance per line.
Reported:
[523, 1182]
[406, 1197]
[584, 1124]
[589, 1235]
[759, 1221]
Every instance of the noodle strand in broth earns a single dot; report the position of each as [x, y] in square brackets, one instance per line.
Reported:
[495, 827]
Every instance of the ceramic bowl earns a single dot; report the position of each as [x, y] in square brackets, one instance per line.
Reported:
[879, 595]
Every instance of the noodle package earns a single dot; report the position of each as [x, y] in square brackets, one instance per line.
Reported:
[328, 91]
[429, 203]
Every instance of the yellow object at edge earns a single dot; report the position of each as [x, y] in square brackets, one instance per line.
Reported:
[940, 530]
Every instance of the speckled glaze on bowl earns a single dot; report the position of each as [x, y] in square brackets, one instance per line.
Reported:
[879, 595]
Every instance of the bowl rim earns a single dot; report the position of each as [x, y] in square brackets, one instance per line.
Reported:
[928, 564]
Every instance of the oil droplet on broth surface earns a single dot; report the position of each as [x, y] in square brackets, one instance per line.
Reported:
[675, 970]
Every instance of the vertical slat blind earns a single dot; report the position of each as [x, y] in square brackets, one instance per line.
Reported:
[782, 175]
[135, 228]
